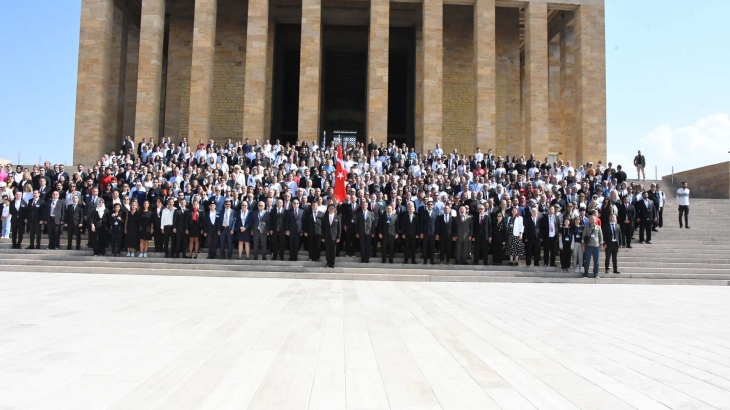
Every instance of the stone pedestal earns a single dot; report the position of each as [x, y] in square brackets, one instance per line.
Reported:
[201, 71]
[254, 96]
[310, 63]
[149, 76]
[93, 76]
[378, 50]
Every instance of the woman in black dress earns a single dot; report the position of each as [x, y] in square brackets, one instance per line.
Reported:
[116, 229]
[243, 230]
[499, 239]
[131, 229]
[566, 244]
[99, 224]
[145, 228]
[192, 229]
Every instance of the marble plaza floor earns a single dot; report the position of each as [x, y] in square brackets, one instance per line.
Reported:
[77, 341]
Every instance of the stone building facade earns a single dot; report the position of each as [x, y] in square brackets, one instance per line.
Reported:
[517, 77]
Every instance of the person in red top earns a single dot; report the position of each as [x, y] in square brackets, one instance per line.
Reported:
[106, 179]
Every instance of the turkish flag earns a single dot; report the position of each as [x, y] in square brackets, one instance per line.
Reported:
[340, 177]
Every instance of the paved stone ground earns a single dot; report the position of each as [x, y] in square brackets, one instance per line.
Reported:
[75, 341]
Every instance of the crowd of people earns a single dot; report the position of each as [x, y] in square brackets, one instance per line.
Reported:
[272, 200]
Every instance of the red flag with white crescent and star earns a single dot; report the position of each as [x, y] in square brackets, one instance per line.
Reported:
[340, 177]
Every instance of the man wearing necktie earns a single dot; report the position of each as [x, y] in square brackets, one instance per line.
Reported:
[645, 216]
[429, 230]
[410, 228]
[365, 222]
[444, 237]
[550, 236]
[294, 230]
[36, 217]
[482, 232]
[54, 219]
[74, 222]
[626, 217]
[225, 229]
[611, 234]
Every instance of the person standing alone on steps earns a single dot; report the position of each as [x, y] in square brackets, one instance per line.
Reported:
[640, 164]
[683, 201]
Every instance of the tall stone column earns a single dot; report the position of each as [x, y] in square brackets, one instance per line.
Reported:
[433, 54]
[590, 30]
[201, 71]
[310, 59]
[485, 75]
[567, 94]
[378, 50]
[254, 93]
[149, 74]
[536, 80]
[95, 40]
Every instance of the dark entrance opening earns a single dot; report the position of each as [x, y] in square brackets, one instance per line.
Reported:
[401, 85]
[285, 92]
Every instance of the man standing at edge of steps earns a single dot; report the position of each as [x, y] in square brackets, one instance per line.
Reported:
[683, 201]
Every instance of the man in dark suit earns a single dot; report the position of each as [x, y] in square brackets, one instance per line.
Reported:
[429, 230]
[277, 229]
[377, 209]
[312, 226]
[35, 219]
[366, 223]
[54, 217]
[646, 215]
[388, 232]
[18, 217]
[210, 229]
[74, 222]
[348, 211]
[331, 232]
[550, 227]
[180, 221]
[446, 243]
[626, 216]
[226, 223]
[294, 228]
[260, 230]
[410, 230]
[462, 232]
[611, 234]
[532, 236]
[482, 235]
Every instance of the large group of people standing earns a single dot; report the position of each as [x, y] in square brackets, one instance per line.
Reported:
[273, 200]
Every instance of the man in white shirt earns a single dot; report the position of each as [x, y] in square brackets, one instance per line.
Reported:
[683, 201]
[167, 223]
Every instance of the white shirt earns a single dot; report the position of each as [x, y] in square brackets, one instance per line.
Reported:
[167, 216]
[683, 196]
[551, 218]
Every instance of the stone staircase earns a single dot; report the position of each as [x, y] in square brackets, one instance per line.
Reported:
[696, 256]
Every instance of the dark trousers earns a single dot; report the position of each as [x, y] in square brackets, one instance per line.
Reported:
[374, 242]
[315, 244]
[462, 251]
[74, 230]
[226, 243]
[54, 234]
[428, 247]
[99, 240]
[388, 247]
[446, 248]
[181, 242]
[259, 244]
[684, 209]
[481, 250]
[612, 254]
[294, 240]
[212, 244]
[627, 232]
[661, 217]
[330, 249]
[17, 225]
[532, 252]
[566, 255]
[169, 239]
[279, 244]
[35, 234]
[159, 238]
[365, 247]
[409, 249]
[497, 253]
[350, 241]
[645, 226]
[548, 254]
[115, 239]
